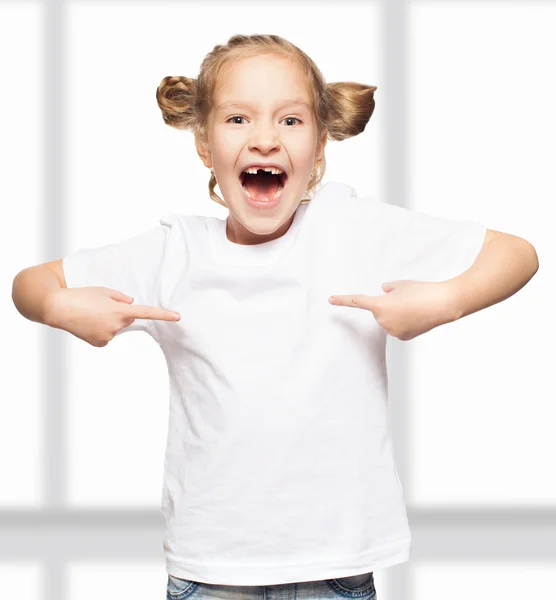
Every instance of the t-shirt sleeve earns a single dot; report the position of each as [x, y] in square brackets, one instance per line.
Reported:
[414, 245]
[131, 266]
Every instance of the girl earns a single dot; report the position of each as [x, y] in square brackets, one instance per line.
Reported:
[279, 467]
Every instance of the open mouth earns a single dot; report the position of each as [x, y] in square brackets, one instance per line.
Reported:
[264, 186]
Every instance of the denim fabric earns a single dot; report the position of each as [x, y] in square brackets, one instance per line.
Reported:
[356, 586]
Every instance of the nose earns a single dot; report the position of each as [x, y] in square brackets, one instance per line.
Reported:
[264, 138]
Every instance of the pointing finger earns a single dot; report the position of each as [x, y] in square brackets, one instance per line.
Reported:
[151, 312]
[354, 300]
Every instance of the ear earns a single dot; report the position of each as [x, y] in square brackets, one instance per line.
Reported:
[203, 152]
[321, 145]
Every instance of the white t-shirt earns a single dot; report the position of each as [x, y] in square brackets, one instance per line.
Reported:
[279, 465]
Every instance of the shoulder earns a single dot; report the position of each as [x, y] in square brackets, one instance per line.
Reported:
[333, 201]
[177, 225]
[343, 202]
[333, 191]
[182, 221]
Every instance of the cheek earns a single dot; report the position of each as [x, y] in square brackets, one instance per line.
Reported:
[225, 141]
[303, 151]
[305, 163]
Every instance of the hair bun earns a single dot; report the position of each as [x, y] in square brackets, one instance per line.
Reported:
[351, 105]
[176, 99]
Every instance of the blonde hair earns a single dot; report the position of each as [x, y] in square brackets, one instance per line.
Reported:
[342, 108]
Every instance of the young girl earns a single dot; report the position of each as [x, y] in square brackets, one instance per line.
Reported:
[279, 467]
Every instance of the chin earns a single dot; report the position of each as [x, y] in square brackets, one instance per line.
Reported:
[266, 226]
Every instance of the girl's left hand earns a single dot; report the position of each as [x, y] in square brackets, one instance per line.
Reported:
[408, 309]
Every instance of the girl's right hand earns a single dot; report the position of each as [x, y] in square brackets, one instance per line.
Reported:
[96, 314]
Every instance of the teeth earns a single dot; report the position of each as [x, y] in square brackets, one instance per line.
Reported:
[278, 192]
[274, 171]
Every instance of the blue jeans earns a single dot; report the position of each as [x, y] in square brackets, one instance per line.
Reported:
[356, 586]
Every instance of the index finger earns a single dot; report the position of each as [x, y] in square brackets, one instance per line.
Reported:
[150, 312]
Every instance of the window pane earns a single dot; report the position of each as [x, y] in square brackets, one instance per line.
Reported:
[22, 579]
[482, 132]
[23, 245]
[118, 417]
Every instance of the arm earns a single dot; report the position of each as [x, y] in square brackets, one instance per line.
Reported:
[503, 266]
[410, 308]
[32, 286]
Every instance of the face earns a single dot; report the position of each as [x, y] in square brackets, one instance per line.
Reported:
[265, 124]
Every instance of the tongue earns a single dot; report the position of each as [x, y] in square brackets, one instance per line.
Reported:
[262, 187]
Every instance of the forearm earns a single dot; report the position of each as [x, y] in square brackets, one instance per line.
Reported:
[30, 290]
[503, 266]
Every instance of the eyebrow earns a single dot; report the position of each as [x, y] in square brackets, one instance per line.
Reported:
[290, 103]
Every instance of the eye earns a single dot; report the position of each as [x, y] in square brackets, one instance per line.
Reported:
[238, 117]
[293, 118]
